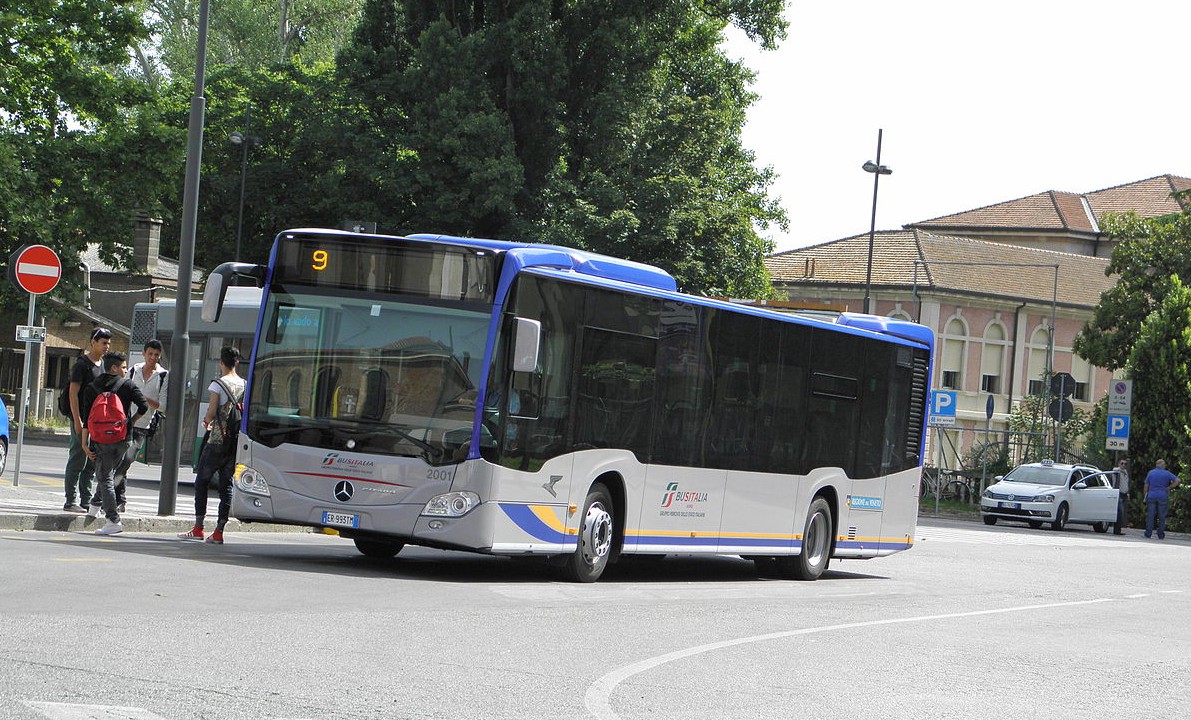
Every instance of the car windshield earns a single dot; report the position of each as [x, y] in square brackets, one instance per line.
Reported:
[1036, 475]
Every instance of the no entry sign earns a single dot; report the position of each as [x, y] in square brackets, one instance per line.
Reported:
[35, 269]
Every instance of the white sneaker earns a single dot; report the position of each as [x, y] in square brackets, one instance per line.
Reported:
[110, 529]
[93, 510]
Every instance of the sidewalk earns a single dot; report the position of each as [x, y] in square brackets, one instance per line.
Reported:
[36, 504]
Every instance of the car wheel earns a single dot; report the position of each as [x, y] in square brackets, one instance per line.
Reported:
[990, 519]
[816, 545]
[3, 454]
[1034, 523]
[596, 534]
[1060, 517]
[378, 549]
[1100, 527]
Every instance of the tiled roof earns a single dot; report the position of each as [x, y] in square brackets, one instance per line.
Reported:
[844, 263]
[167, 268]
[1055, 210]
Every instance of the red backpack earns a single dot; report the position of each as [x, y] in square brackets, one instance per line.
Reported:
[107, 422]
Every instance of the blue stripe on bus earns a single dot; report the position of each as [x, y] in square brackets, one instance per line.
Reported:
[526, 519]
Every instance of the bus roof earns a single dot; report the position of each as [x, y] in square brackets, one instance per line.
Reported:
[615, 272]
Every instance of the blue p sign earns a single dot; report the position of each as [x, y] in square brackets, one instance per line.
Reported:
[1118, 426]
[942, 407]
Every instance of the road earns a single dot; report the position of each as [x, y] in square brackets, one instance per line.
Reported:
[977, 622]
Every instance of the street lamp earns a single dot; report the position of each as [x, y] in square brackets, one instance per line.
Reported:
[877, 169]
[245, 141]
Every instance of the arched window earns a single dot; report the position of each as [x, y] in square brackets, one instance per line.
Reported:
[955, 348]
[294, 389]
[1039, 348]
[1082, 371]
[992, 358]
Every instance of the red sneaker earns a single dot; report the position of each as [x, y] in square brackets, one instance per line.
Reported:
[216, 538]
[196, 533]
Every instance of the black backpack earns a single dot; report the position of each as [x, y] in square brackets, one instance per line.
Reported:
[225, 432]
[64, 394]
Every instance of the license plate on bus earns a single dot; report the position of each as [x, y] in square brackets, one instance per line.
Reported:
[341, 519]
[1011, 506]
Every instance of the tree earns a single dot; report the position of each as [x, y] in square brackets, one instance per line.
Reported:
[75, 143]
[1150, 252]
[245, 33]
[1160, 365]
[613, 127]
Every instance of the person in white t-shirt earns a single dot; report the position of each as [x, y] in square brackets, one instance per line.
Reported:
[217, 461]
[153, 380]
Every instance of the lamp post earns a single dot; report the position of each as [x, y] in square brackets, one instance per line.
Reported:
[877, 169]
[245, 141]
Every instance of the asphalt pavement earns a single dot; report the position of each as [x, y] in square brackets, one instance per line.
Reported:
[36, 503]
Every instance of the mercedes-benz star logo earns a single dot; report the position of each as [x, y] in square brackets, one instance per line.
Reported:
[344, 491]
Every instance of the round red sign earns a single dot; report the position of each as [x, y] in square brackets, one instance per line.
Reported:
[35, 269]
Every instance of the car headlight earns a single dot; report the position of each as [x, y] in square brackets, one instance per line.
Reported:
[987, 493]
[1044, 498]
[251, 481]
[452, 504]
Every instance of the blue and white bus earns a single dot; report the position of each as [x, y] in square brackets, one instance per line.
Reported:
[523, 399]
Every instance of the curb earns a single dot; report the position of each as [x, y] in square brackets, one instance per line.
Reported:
[71, 522]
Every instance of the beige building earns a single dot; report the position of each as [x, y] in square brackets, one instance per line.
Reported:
[993, 283]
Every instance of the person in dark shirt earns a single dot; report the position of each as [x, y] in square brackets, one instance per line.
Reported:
[86, 369]
[107, 456]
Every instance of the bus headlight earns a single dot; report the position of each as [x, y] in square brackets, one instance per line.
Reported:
[251, 481]
[452, 504]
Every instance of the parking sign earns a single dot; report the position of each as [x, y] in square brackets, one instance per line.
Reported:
[1117, 433]
[942, 407]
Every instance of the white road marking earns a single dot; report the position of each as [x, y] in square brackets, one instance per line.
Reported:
[996, 537]
[71, 711]
[598, 699]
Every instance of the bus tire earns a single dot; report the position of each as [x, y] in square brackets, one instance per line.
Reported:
[378, 549]
[816, 545]
[596, 532]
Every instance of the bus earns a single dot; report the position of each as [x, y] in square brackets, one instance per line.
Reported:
[523, 399]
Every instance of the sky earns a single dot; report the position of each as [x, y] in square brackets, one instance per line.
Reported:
[980, 103]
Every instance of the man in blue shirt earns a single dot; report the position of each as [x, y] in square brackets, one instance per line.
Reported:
[1159, 482]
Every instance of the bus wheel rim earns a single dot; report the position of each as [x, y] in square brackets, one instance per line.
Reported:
[816, 540]
[597, 534]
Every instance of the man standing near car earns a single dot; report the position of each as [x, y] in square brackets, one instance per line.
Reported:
[1122, 497]
[1159, 483]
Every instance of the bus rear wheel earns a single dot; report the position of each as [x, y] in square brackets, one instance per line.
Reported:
[596, 533]
[816, 545]
[378, 549]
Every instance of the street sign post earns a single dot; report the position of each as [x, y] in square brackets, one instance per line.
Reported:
[35, 269]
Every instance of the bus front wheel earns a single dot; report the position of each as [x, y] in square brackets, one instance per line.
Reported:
[378, 549]
[816, 545]
[596, 532]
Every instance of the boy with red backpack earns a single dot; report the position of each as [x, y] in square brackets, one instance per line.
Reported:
[105, 405]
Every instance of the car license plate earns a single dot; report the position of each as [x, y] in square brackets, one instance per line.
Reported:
[1011, 506]
[341, 519]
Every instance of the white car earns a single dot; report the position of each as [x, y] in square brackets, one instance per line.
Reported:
[1050, 492]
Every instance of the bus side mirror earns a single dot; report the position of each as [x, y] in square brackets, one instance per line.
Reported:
[526, 343]
[215, 289]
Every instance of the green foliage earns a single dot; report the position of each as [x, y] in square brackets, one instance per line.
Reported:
[1150, 252]
[1030, 417]
[988, 459]
[1093, 448]
[1160, 365]
[245, 33]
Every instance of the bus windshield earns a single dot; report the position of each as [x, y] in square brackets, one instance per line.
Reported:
[368, 373]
